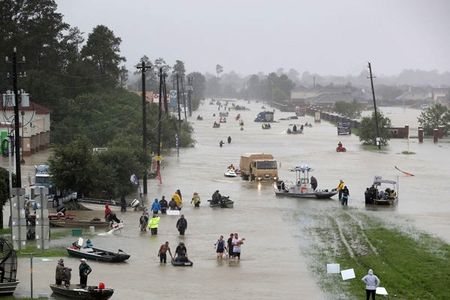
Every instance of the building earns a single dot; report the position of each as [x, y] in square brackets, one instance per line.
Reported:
[34, 123]
[327, 95]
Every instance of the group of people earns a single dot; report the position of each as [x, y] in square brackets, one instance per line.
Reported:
[221, 143]
[233, 246]
[63, 273]
[180, 253]
[372, 193]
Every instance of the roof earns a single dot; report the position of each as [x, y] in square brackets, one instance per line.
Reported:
[38, 108]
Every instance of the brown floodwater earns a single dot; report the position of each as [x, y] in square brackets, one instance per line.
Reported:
[273, 264]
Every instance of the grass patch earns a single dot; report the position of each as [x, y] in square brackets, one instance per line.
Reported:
[5, 231]
[413, 266]
[52, 252]
[56, 234]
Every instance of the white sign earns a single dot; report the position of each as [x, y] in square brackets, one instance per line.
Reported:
[381, 291]
[348, 274]
[333, 268]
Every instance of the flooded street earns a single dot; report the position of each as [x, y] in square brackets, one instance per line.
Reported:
[273, 264]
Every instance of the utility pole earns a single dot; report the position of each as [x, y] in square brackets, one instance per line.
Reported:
[166, 105]
[184, 97]
[16, 117]
[190, 79]
[158, 160]
[377, 139]
[144, 68]
[178, 103]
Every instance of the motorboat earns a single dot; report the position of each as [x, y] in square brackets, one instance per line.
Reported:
[75, 291]
[382, 192]
[225, 202]
[230, 173]
[98, 254]
[294, 129]
[302, 187]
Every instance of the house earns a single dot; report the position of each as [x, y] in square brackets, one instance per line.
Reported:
[327, 95]
[34, 123]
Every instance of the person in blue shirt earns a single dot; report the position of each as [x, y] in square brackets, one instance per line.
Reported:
[156, 207]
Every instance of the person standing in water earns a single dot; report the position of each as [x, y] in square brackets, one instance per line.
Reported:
[153, 224]
[181, 225]
[162, 253]
[345, 195]
[195, 200]
[340, 188]
[237, 242]
[163, 205]
[230, 245]
[156, 207]
[220, 247]
[372, 282]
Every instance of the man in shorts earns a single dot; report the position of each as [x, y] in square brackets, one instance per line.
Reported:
[237, 242]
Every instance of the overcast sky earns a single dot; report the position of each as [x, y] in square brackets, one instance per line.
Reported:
[324, 36]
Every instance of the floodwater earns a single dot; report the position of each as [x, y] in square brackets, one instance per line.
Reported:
[273, 264]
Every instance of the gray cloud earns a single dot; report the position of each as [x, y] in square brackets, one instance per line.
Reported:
[324, 36]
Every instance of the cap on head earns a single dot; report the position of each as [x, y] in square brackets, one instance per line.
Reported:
[370, 272]
[83, 260]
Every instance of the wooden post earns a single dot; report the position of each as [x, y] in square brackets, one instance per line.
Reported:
[421, 135]
[435, 135]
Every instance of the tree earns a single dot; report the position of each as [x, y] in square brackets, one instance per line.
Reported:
[72, 166]
[219, 70]
[102, 52]
[367, 130]
[351, 110]
[115, 166]
[4, 191]
[433, 117]
[179, 68]
[198, 88]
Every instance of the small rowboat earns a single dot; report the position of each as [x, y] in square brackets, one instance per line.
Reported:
[76, 292]
[98, 254]
[78, 223]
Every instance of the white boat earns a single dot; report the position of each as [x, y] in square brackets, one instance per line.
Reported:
[230, 173]
[382, 192]
[302, 188]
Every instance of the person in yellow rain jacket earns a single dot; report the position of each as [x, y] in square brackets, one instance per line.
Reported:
[153, 224]
[340, 188]
[177, 198]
